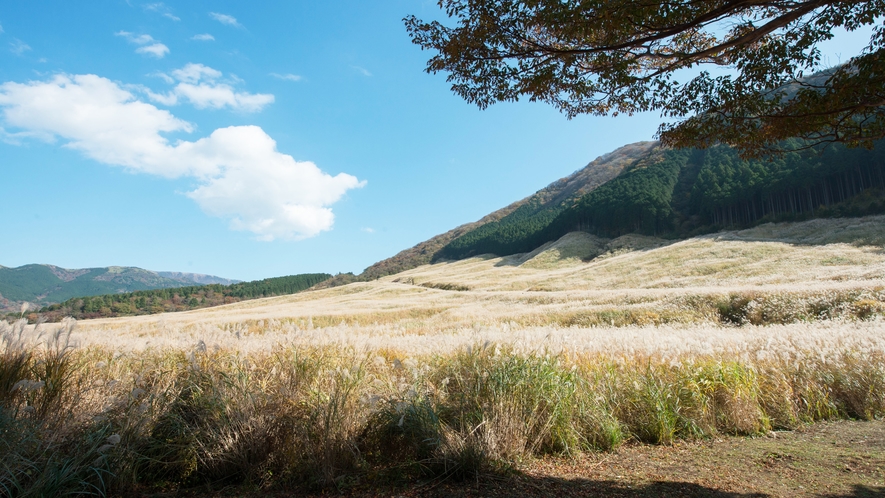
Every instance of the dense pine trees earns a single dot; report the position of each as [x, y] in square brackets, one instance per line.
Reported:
[519, 231]
[639, 200]
[730, 191]
[676, 193]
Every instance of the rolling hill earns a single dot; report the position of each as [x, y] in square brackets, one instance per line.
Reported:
[792, 274]
[148, 302]
[551, 198]
[675, 194]
[47, 284]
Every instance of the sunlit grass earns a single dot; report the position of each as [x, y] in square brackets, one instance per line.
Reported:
[98, 420]
[447, 370]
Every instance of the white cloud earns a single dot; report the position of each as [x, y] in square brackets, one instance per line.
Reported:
[19, 137]
[225, 19]
[157, 50]
[136, 39]
[162, 9]
[169, 99]
[286, 77]
[368, 229]
[18, 47]
[199, 85]
[193, 73]
[241, 175]
[362, 70]
[1, 29]
[95, 116]
[217, 96]
[256, 193]
[203, 37]
[163, 76]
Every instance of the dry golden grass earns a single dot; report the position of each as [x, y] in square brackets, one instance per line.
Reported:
[812, 270]
[413, 375]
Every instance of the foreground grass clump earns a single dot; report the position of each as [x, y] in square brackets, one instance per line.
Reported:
[95, 421]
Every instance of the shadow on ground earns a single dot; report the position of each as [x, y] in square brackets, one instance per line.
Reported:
[859, 492]
[567, 488]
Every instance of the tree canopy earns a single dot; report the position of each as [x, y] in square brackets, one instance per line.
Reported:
[624, 56]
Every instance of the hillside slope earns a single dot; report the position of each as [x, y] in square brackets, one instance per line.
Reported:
[555, 195]
[644, 189]
[784, 273]
[679, 193]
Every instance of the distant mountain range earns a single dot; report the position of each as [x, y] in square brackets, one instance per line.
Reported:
[42, 285]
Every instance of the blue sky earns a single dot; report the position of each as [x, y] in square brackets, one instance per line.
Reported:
[252, 140]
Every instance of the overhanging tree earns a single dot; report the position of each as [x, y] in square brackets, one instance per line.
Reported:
[624, 56]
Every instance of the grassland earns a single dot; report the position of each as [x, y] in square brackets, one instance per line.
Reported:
[457, 369]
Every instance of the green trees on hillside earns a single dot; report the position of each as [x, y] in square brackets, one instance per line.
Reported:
[675, 193]
[179, 299]
[733, 191]
[517, 232]
[636, 201]
[523, 228]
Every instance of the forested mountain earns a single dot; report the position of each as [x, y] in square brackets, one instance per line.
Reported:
[677, 193]
[555, 196]
[46, 284]
[646, 189]
[148, 302]
[535, 213]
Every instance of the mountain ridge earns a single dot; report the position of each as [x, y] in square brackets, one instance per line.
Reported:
[45, 284]
[646, 189]
[679, 193]
[594, 174]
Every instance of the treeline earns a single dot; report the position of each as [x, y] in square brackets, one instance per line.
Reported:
[731, 191]
[680, 193]
[520, 229]
[179, 299]
[639, 200]
[514, 233]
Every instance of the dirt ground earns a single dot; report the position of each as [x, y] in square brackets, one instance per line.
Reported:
[838, 459]
[844, 459]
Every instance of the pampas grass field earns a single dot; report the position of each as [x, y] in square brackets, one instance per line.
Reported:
[448, 370]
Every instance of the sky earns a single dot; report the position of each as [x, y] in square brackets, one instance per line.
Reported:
[255, 140]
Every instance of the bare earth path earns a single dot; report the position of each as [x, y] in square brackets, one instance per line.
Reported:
[839, 459]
